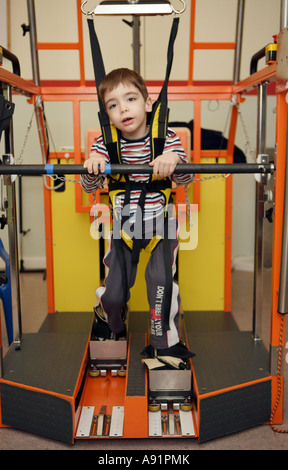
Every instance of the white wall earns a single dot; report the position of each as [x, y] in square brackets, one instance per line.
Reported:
[216, 20]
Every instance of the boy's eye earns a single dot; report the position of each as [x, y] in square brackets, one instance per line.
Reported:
[111, 106]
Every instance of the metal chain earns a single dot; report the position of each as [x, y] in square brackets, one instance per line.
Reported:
[248, 147]
[188, 205]
[95, 213]
[212, 177]
[197, 180]
[19, 160]
[63, 178]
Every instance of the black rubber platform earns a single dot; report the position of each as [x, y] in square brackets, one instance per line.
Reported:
[197, 321]
[68, 322]
[231, 372]
[49, 362]
[225, 359]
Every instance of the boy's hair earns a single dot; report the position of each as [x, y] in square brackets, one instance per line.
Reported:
[122, 75]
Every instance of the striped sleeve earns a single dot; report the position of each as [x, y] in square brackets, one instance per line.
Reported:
[89, 182]
[173, 144]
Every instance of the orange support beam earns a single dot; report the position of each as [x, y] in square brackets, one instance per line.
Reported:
[277, 327]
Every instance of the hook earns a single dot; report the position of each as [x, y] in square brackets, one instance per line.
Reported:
[178, 12]
[86, 12]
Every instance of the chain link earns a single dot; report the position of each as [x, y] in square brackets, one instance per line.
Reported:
[248, 147]
[63, 178]
[19, 160]
[211, 177]
[95, 213]
[188, 205]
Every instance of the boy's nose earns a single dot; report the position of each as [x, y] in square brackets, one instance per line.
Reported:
[123, 107]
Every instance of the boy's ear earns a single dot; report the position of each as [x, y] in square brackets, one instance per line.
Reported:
[149, 104]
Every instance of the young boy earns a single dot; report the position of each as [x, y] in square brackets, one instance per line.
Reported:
[126, 101]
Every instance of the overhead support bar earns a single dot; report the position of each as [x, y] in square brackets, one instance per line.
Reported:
[61, 170]
[134, 7]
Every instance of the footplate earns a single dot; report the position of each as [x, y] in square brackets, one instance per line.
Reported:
[166, 386]
[108, 355]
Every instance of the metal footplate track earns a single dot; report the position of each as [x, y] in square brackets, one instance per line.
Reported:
[171, 423]
[93, 425]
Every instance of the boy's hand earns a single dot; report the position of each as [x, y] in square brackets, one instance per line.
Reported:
[95, 163]
[165, 164]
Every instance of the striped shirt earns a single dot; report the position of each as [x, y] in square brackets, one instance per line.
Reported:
[132, 152]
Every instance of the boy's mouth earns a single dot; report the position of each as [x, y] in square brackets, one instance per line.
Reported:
[127, 120]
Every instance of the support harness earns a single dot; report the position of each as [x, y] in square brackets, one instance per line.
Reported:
[158, 122]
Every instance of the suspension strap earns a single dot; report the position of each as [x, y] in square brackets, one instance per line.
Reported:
[160, 111]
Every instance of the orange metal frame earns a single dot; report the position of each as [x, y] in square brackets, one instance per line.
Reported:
[196, 94]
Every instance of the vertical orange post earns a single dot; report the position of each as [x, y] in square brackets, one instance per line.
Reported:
[49, 251]
[197, 147]
[47, 208]
[77, 146]
[80, 43]
[192, 34]
[281, 125]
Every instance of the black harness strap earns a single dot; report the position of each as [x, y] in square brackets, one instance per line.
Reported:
[157, 143]
[163, 115]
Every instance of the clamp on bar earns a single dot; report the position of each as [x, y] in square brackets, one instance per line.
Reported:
[263, 177]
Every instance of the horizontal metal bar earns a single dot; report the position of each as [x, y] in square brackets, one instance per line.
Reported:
[18, 83]
[190, 168]
[264, 75]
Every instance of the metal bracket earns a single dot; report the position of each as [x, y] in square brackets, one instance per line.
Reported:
[262, 178]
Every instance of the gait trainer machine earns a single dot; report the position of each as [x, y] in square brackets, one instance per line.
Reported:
[60, 382]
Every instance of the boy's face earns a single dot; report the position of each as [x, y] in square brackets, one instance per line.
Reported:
[127, 110]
